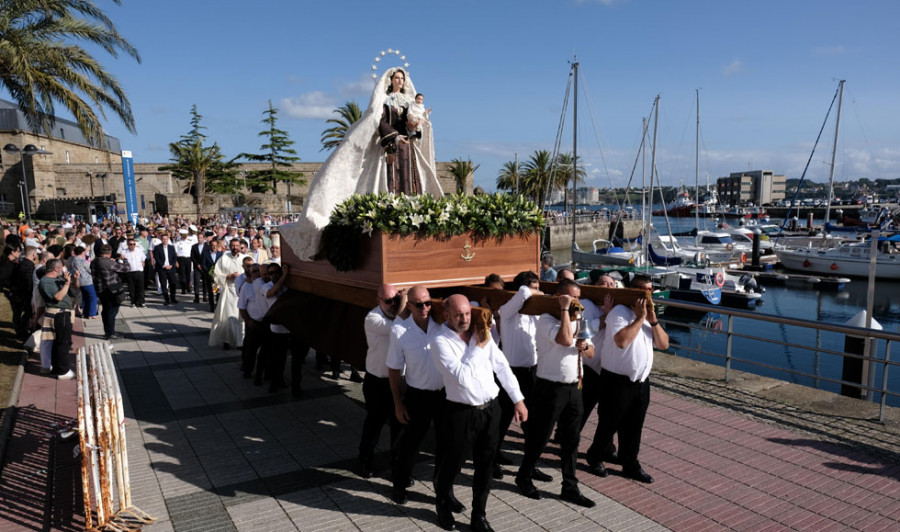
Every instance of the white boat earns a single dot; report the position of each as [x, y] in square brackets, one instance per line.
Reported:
[604, 253]
[847, 259]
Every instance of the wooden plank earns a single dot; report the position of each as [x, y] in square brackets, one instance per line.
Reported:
[548, 304]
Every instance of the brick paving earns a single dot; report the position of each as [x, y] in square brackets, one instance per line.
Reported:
[210, 451]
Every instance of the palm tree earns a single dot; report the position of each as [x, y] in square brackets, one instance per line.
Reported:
[510, 176]
[41, 65]
[536, 176]
[349, 115]
[562, 174]
[461, 170]
[196, 160]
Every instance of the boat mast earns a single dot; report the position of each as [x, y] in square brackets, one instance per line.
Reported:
[644, 214]
[653, 156]
[837, 124]
[574, 146]
[697, 169]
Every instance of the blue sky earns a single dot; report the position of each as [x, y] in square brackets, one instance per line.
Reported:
[495, 74]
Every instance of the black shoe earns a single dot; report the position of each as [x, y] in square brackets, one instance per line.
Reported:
[637, 474]
[166, 303]
[336, 375]
[575, 497]
[502, 459]
[174, 301]
[540, 476]
[113, 336]
[596, 468]
[527, 489]
[258, 381]
[355, 376]
[610, 456]
[480, 524]
[411, 482]
[196, 300]
[498, 472]
[455, 506]
[445, 518]
[226, 346]
[399, 495]
[365, 469]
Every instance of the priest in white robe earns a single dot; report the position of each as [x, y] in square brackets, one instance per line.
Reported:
[227, 326]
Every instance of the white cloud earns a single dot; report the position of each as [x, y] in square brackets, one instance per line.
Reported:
[156, 147]
[732, 68]
[362, 86]
[836, 49]
[315, 105]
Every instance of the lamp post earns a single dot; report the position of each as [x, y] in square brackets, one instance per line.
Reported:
[105, 204]
[30, 150]
[52, 200]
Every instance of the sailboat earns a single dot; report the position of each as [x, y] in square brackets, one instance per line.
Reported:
[846, 258]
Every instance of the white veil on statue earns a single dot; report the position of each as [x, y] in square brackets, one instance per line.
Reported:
[357, 166]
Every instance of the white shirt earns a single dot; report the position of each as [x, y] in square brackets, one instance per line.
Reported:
[593, 314]
[468, 370]
[239, 282]
[557, 363]
[410, 349]
[636, 359]
[517, 331]
[183, 248]
[135, 259]
[378, 338]
[275, 328]
[249, 300]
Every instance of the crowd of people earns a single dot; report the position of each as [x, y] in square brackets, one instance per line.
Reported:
[470, 385]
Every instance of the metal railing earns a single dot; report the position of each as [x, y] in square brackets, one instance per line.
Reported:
[731, 335]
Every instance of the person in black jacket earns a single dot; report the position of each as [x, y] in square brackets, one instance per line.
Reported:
[108, 285]
[201, 258]
[166, 263]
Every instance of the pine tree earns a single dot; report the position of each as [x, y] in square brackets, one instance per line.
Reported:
[277, 152]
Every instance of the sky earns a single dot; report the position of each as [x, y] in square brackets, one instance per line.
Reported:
[495, 75]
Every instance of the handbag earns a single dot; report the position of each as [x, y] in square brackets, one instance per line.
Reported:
[119, 292]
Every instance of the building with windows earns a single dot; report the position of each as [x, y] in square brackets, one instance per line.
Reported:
[754, 186]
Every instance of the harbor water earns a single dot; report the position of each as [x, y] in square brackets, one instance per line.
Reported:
[705, 331]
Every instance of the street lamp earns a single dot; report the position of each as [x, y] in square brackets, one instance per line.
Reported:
[30, 150]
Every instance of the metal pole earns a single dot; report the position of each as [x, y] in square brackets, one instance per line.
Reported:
[884, 380]
[574, 150]
[837, 125]
[868, 375]
[728, 348]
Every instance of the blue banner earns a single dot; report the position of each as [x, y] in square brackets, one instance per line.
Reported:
[131, 208]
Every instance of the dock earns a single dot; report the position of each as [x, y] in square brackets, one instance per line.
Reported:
[210, 451]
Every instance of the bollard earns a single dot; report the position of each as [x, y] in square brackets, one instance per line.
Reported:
[853, 367]
[757, 234]
[809, 221]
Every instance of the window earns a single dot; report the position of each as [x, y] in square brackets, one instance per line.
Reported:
[62, 133]
[68, 161]
[96, 160]
[60, 192]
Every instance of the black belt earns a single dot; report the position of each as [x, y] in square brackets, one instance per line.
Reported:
[548, 382]
[624, 379]
[461, 406]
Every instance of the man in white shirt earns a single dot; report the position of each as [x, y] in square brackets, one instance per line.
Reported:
[517, 337]
[376, 385]
[409, 353]
[468, 362]
[631, 335]
[135, 257]
[252, 315]
[556, 396]
[183, 258]
[279, 337]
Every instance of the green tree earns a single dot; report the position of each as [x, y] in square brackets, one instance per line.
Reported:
[461, 170]
[277, 152]
[203, 167]
[536, 176]
[562, 173]
[42, 63]
[510, 175]
[349, 115]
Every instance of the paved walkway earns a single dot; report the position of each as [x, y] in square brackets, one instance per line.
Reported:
[210, 451]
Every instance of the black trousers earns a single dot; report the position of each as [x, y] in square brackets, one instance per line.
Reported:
[526, 377]
[135, 282]
[299, 349]
[148, 272]
[62, 342]
[184, 273]
[202, 285]
[379, 412]
[109, 309]
[273, 356]
[167, 283]
[623, 407]
[553, 403]
[468, 430]
[425, 408]
[253, 338]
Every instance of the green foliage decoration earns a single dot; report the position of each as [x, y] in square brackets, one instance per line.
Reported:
[424, 216]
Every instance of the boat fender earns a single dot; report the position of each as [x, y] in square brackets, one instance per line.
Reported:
[743, 257]
[806, 263]
[720, 279]
[833, 266]
[729, 247]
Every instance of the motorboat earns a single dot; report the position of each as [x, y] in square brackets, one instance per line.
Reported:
[604, 253]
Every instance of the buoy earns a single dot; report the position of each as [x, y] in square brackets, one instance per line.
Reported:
[720, 279]
[833, 266]
[806, 263]
[743, 257]
[729, 247]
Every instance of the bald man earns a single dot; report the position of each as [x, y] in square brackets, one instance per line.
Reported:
[468, 362]
[376, 385]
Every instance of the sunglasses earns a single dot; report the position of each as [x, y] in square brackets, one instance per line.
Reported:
[391, 301]
[422, 304]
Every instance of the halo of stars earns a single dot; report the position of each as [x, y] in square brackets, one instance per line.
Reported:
[384, 54]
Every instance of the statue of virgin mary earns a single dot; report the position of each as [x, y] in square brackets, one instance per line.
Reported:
[377, 155]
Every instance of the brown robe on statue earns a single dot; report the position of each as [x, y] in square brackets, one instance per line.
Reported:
[402, 171]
